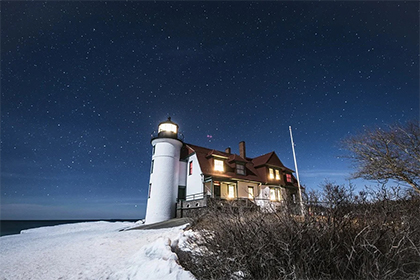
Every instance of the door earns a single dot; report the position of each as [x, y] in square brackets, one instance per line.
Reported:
[217, 191]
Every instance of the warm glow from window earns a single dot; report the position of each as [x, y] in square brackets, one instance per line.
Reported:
[277, 174]
[272, 194]
[289, 178]
[271, 173]
[279, 194]
[167, 127]
[251, 192]
[218, 165]
[231, 193]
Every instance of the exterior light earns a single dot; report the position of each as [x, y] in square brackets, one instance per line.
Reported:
[168, 127]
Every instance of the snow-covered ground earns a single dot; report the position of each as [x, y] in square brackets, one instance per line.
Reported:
[92, 250]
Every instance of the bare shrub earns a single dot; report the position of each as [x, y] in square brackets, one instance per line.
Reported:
[374, 234]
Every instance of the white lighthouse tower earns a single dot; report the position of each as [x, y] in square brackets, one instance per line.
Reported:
[163, 184]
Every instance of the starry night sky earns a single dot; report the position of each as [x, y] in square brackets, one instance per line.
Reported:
[84, 84]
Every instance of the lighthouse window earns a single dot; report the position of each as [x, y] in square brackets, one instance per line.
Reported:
[218, 165]
[167, 127]
[150, 189]
[190, 168]
[151, 168]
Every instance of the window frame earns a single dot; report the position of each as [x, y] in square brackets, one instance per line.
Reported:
[219, 165]
[277, 174]
[231, 195]
[251, 192]
[190, 168]
[150, 190]
[242, 169]
[271, 173]
[273, 194]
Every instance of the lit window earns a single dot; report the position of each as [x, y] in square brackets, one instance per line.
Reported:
[277, 174]
[218, 165]
[231, 193]
[279, 194]
[271, 173]
[289, 178]
[251, 192]
[167, 127]
[240, 169]
[190, 168]
[272, 194]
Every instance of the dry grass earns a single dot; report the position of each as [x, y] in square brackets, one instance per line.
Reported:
[355, 238]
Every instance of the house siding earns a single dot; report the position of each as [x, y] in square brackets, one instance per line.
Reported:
[182, 173]
[243, 189]
[194, 182]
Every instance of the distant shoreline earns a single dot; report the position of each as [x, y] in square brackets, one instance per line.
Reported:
[11, 227]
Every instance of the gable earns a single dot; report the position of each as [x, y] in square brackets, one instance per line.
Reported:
[255, 168]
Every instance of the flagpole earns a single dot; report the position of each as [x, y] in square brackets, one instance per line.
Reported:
[297, 172]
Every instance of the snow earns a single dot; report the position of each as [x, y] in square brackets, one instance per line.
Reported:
[92, 250]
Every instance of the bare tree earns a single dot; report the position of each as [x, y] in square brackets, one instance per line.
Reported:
[391, 154]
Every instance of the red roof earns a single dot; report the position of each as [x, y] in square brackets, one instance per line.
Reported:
[255, 168]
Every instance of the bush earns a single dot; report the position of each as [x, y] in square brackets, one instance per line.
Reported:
[372, 235]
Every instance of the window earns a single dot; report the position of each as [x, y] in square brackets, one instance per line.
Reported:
[277, 174]
[231, 191]
[153, 150]
[240, 169]
[151, 167]
[181, 192]
[218, 165]
[271, 173]
[279, 194]
[190, 168]
[272, 194]
[251, 192]
[289, 178]
[167, 127]
[150, 189]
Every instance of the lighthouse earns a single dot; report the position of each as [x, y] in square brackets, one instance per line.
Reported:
[163, 184]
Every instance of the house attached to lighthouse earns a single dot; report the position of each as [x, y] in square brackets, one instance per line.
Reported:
[184, 175]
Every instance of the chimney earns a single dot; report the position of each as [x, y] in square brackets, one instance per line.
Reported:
[242, 152]
[227, 150]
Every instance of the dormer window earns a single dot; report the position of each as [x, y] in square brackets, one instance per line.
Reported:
[240, 169]
[218, 165]
[271, 173]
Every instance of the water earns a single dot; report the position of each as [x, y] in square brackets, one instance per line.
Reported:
[10, 227]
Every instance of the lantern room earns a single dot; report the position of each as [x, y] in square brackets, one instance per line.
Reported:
[168, 129]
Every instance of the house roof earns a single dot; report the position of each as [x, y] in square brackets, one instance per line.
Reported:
[254, 166]
[270, 159]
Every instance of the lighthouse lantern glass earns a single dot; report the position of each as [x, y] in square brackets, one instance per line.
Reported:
[167, 127]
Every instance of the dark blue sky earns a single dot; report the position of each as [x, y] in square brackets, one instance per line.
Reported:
[84, 84]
